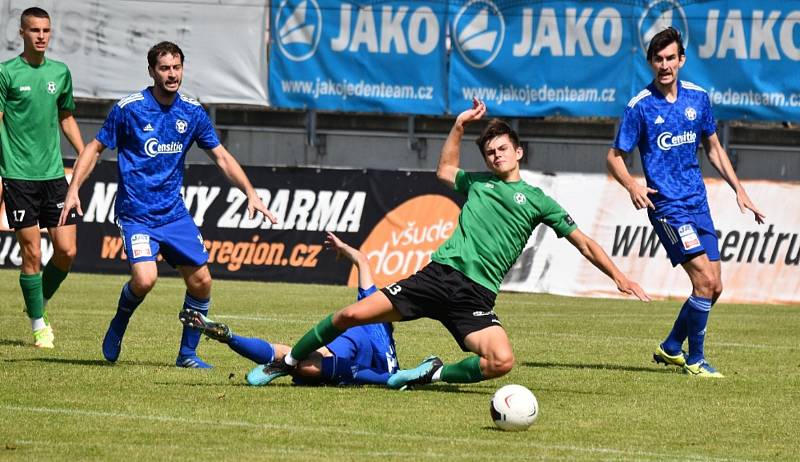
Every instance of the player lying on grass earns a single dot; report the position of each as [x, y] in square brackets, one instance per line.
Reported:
[459, 286]
[361, 355]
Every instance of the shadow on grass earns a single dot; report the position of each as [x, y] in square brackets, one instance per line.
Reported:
[7, 342]
[611, 367]
[240, 382]
[87, 362]
[449, 388]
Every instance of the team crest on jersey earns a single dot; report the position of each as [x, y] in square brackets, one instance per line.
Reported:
[181, 125]
[489, 185]
[690, 113]
[519, 198]
[51, 87]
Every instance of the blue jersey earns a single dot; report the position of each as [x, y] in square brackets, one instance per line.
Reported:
[667, 135]
[370, 346]
[151, 142]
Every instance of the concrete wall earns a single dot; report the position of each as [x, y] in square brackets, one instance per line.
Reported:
[377, 142]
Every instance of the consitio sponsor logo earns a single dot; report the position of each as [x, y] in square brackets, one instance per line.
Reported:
[403, 241]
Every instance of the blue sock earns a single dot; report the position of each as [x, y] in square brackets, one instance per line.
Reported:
[191, 337]
[674, 341]
[699, 309]
[254, 349]
[128, 302]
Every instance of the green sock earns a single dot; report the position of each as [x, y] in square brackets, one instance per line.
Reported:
[322, 334]
[31, 285]
[465, 371]
[52, 277]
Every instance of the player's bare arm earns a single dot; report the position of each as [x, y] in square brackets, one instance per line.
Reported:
[69, 126]
[598, 257]
[236, 176]
[451, 151]
[87, 159]
[355, 256]
[720, 160]
[618, 169]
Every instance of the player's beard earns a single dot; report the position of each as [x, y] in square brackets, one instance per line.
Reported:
[167, 90]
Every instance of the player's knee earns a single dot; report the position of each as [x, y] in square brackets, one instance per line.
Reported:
[31, 252]
[705, 284]
[499, 365]
[201, 283]
[717, 290]
[346, 318]
[142, 285]
[65, 256]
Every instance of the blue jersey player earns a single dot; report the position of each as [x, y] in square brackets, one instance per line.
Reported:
[667, 121]
[152, 130]
[361, 355]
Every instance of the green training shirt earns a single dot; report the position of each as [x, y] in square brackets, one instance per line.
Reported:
[495, 224]
[30, 99]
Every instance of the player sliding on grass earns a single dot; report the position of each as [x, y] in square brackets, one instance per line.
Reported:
[459, 286]
[361, 355]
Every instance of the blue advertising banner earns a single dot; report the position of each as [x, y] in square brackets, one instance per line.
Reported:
[541, 58]
[386, 56]
[583, 58]
[743, 53]
[536, 58]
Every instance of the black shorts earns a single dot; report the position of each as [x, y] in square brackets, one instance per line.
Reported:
[442, 293]
[35, 202]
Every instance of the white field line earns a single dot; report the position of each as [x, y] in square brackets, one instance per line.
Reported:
[468, 442]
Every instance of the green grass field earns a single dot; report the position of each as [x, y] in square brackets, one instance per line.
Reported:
[587, 361]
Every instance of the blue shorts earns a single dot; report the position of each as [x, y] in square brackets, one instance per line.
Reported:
[687, 235]
[179, 242]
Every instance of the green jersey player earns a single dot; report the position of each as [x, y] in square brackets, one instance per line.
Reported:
[459, 286]
[35, 100]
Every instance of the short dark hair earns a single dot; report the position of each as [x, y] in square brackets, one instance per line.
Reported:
[160, 49]
[493, 129]
[664, 39]
[34, 11]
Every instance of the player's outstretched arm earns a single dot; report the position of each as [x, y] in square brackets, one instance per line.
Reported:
[87, 159]
[638, 192]
[71, 130]
[355, 256]
[236, 176]
[598, 257]
[450, 157]
[720, 160]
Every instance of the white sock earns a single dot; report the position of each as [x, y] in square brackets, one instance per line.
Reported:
[289, 360]
[37, 324]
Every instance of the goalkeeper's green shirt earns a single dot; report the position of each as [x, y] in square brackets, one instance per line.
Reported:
[30, 99]
[495, 224]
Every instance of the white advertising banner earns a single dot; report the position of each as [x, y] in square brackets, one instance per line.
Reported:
[760, 263]
[105, 44]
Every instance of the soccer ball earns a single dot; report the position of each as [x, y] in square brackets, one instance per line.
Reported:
[514, 408]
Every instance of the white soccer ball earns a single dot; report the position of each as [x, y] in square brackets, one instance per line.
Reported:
[514, 408]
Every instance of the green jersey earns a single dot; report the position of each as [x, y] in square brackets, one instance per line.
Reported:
[30, 99]
[495, 224]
